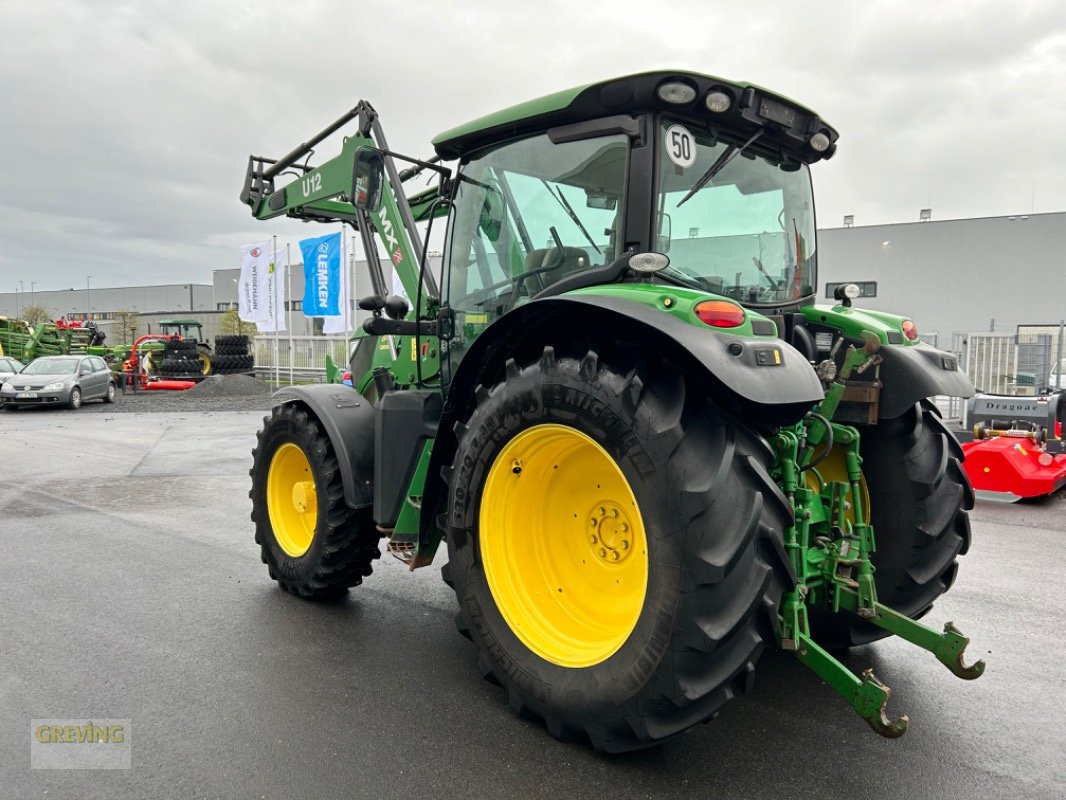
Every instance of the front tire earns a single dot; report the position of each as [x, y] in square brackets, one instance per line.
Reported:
[313, 543]
[614, 544]
[75, 398]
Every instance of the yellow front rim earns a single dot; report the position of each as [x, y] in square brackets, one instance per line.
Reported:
[563, 546]
[835, 469]
[292, 500]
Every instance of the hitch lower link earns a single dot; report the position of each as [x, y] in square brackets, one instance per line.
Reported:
[829, 546]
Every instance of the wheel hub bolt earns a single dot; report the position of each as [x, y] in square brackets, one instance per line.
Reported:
[611, 531]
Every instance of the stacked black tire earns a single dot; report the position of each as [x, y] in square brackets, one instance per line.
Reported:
[180, 359]
[231, 355]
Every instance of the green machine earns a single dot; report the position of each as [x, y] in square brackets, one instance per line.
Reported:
[651, 454]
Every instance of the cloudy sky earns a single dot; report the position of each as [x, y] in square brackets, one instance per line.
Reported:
[126, 126]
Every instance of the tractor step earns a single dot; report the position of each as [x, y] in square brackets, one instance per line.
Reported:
[403, 548]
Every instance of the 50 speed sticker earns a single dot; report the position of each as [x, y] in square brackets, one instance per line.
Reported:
[680, 146]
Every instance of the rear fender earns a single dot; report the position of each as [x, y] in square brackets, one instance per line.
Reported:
[348, 419]
[909, 371]
[741, 372]
[915, 372]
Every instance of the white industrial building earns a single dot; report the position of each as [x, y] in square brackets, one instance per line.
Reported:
[954, 276]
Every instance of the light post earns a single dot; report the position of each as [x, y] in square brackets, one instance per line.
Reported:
[33, 292]
[87, 297]
[19, 288]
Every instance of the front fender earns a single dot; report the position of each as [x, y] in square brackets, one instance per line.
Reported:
[348, 419]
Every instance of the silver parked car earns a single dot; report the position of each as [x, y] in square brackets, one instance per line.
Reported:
[59, 380]
[8, 367]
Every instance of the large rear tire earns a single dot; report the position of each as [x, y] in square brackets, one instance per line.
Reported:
[313, 544]
[615, 547]
[919, 498]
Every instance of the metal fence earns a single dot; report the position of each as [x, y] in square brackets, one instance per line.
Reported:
[1022, 363]
[997, 363]
[297, 359]
[1041, 350]
[989, 361]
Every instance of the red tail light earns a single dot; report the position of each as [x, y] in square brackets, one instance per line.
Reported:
[910, 330]
[720, 313]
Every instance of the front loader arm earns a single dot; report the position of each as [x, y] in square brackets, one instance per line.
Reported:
[323, 193]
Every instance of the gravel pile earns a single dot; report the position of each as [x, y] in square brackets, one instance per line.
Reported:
[229, 386]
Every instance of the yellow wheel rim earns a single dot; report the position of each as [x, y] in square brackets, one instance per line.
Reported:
[205, 363]
[835, 469]
[292, 500]
[563, 546]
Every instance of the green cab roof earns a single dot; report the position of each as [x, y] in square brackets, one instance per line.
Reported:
[751, 107]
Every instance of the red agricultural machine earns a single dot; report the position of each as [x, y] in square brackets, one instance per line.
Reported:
[138, 372]
[1017, 450]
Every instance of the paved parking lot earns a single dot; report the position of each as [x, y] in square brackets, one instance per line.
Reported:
[131, 589]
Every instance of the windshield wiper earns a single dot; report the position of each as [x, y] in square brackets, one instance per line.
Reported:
[569, 209]
[721, 163]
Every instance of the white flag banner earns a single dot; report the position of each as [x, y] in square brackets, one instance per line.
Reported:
[251, 287]
[273, 318]
[340, 323]
[397, 286]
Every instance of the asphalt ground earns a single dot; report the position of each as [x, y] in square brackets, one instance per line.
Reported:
[130, 588]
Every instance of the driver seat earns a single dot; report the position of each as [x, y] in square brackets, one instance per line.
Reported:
[551, 264]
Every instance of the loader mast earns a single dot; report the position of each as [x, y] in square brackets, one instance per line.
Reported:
[326, 193]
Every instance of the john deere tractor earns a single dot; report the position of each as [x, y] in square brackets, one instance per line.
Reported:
[650, 453]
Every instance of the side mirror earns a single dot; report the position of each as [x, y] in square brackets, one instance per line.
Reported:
[368, 174]
[493, 211]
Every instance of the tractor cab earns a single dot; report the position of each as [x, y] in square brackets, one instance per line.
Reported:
[710, 174]
[185, 328]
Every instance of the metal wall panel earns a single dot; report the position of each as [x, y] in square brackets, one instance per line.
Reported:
[951, 276]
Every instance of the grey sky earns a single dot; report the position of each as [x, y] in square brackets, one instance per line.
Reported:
[126, 126]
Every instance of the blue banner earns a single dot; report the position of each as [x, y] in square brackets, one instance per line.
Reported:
[322, 275]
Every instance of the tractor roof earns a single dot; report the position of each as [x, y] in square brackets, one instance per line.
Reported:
[789, 124]
[180, 322]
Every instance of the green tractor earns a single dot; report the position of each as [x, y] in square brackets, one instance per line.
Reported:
[650, 453]
[189, 355]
